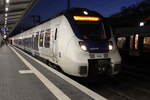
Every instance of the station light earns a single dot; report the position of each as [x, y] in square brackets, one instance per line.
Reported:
[5, 21]
[5, 18]
[6, 9]
[141, 24]
[6, 15]
[7, 1]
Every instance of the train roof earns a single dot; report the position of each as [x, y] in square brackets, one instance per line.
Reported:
[70, 12]
[74, 11]
[79, 11]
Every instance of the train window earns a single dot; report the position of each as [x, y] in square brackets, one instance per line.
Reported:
[41, 39]
[121, 42]
[47, 39]
[30, 42]
[146, 43]
[136, 41]
[56, 34]
[131, 42]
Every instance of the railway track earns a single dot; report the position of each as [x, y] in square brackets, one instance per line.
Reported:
[128, 85]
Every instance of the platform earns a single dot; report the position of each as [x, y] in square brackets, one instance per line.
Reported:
[23, 77]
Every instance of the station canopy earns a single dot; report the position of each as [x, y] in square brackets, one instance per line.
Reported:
[12, 11]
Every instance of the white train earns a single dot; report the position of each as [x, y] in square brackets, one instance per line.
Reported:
[78, 40]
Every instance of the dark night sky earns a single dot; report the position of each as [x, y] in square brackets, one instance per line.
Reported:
[47, 8]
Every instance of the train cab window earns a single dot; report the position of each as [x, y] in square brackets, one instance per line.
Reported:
[41, 39]
[47, 39]
[92, 30]
[121, 42]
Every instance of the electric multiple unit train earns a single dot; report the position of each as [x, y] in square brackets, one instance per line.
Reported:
[78, 40]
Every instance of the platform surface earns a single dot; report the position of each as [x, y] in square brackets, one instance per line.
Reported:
[22, 77]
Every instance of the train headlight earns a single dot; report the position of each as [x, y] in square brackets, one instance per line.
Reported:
[110, 45]
[83, 46]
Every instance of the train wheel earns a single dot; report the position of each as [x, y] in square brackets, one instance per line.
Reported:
[48, 63]
[33, 53]
[54, 66]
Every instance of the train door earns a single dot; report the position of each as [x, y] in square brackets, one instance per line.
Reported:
[41, 42]
[46, 46]
[32, 42]
[54, 44]
[35, 44]
[32, 45]
[36, 41]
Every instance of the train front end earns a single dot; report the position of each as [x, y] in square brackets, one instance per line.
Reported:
[96, 52]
